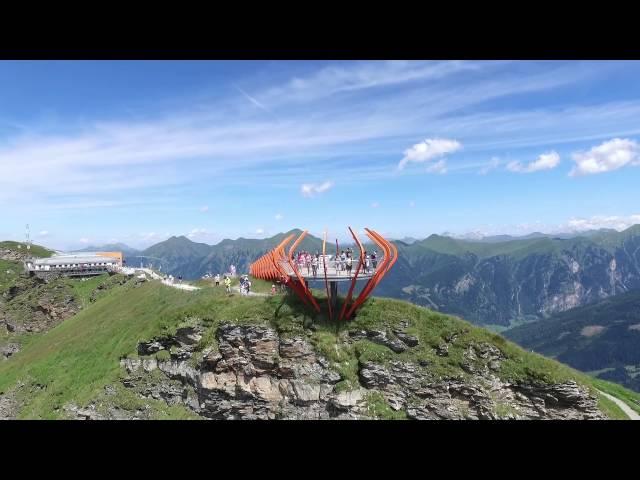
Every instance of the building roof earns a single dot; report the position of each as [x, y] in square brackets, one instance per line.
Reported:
[65, 259]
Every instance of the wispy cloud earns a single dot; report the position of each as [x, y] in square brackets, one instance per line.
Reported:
[279, 216]
[616, 222]
[255, 102]
[440, 167]
[311, 190]
[546, 161]
[492, 165]
[360, 76]
[197, 232]
[204, 209]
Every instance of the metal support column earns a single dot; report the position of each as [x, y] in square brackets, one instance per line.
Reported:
[333, 288]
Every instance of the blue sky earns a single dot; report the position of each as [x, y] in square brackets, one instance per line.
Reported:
[132, 151]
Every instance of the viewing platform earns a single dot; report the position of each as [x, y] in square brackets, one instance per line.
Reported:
[336, 271]
[286, 265]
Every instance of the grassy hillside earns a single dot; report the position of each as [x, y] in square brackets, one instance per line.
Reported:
[603, 338]
[9, 272]
[78, 358]
[36, 250]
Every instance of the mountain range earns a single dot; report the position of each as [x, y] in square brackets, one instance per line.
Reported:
[498, 283]
[602, 338]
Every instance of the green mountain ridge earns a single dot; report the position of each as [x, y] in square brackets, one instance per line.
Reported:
[499, 283]
[145, 350]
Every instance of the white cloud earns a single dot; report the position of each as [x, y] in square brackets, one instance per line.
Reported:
[278, 216]
[492, 165]
[311, 190]
[606, 157]
[43, 233]
[204, 209]
[428, 150]
[259, 231]
[546, 161]
[84, 240]
[439, 167]
[375, 205]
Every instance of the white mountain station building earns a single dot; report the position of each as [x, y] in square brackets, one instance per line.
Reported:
[82, 263]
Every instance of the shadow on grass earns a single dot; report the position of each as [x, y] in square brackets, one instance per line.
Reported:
[310, 317]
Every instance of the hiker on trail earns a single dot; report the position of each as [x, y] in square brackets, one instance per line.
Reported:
[314, 265]
[217, 279]
[227, 283]
[374, 260]
[247, 285]
[273, 289]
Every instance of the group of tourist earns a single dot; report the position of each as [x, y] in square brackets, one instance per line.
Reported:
[310, 262]
[226, 281]
[344, 262]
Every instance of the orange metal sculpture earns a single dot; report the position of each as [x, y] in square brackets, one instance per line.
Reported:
[279, 265]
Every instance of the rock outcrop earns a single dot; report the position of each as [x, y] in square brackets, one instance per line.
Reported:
[255, 373]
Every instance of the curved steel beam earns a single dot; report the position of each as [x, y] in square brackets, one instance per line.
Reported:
[326, 281]
[303, 284]
[353, 282]
[375, 279]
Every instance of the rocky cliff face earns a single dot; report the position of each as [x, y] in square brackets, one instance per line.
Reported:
[32, 305]
[255, 373]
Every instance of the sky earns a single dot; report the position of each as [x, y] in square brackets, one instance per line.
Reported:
[95, 152]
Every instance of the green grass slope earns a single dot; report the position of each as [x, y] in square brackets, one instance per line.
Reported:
[75, 361]
[35, 250]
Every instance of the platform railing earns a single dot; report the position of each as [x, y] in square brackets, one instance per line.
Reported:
[336, 268]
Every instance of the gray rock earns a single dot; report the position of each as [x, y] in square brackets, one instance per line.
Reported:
[442, 350]
[9, 349]
[188, 335]
[407, 339]
[380, 337]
